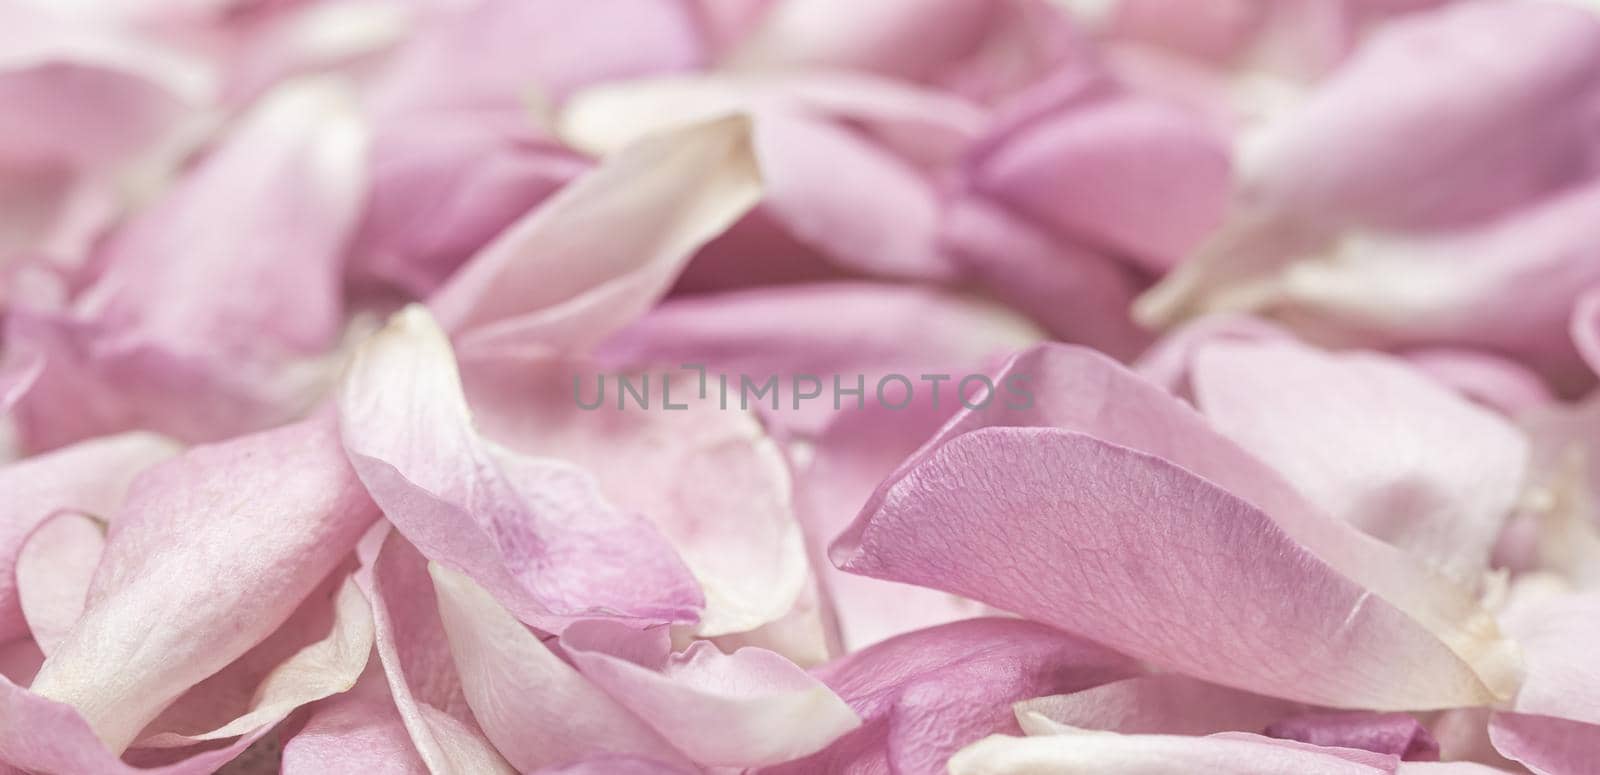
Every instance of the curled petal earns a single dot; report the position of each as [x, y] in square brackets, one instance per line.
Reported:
[1082, 460]
[88, 478]
[535, 532]
[538, 710]
[606, 247]
[245, 531]
[54, 569]
[746, 709]
[1166, 704]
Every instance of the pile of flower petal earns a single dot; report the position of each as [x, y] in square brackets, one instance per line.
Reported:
[375, 387]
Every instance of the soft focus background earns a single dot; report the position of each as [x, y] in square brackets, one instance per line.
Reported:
[365, 246]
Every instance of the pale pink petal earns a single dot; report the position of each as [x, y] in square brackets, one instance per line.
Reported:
[825, 330]
[706, 475]
[1396, 734]
[1499, 383]
[53, 572]
[1166, 704]
[211, 297]
[358, 731]
[1168, 362]
[208, 555]
[924, 694]
[614, 765]
[319, 652]
[537, 533]
[1367, 626]
[1108, 753]
[606, 247]
[415, 653]
[89, 478]
[538, 710]
[1373, 442]
[746, 709]
[1585, 328]
[1557, 636]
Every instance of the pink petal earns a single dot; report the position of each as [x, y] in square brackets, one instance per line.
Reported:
[850, 457]
[607, 246]
[924, 694]
[1545, 745]
[707, 476]
[241, 544]
[47, 736]
[88, 478]
[1396, 734]
[1366, 626]
[1076, 295]
[208, 299]
[53, 572]
[613, 765]
[1108, 753]
[320, 651]
[415, 653]
[746, 709]
[1499, 383]
[1120, 174]
[1372, 442]
[825, 330]
[537, 533]
[538, 710]
[477, 56]
[1159, 704]
[358, 731]
[444, 186]
[1369, 144]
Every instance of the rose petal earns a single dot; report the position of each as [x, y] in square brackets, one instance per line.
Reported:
[89, 478]
[750, 708]
[1396, 734]
[538, 710]
[535, 532]
[245, 531]
[358, 731]
[924, 694]
[1122, 447]
[415, 652]
[1158, 704]
[54, 569]
[1371, 442]
[602, 250]
[1108, 753]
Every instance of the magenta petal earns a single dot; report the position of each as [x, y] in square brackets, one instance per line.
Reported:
[246, 530]
[1087, 503]
[1391, 733]
[535, 532]
[924, 694]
